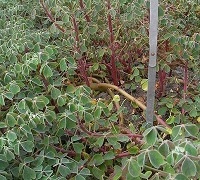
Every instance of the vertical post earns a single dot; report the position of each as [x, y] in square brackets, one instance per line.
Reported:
[153, 33]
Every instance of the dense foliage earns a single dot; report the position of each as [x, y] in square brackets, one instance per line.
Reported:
[73, 88]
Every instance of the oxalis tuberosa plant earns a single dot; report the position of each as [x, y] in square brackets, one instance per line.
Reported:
[73, 90]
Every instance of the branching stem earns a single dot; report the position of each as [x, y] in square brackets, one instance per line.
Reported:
[50, 16]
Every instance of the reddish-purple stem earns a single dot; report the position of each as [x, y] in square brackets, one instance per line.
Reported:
[69, 153]
[185, 82]
[162, 79]
[76, 33]
[83, 8]
[48, 13]
[123, 154]
[114, 69]
[81, 62]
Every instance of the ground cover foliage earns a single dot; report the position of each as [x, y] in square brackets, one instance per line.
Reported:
[73, 90]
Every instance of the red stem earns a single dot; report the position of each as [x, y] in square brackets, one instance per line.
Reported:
[114, 69]
[86, 131]
[185, 83]
[123, 154]
[83, 8]
[81, 62]
[162, 78]
[82, 127]
[70, 153]
[48, 13]
[76, 32]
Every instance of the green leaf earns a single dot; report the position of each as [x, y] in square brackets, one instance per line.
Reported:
[133, 149]
[123, 138]
[62, 123]
[93, 29]
[47, 72]
[14, 88]
[41, 102]
[176, 132]
[49, 50]
[28, 160]
[130, 16]
[70, 124]
[63, 65]
[193, 112]
[172, 40]
[78, 147]
[3, 125]
[63, 170]
[26, 128]
[44, 57]
[191, 130]
[3, 177]
[28, 173]
[22, 104]
[181, 177]
[188, 167]
[156, 158]
[98, 173]
[99, 141]
[97, 113]
[83, 48]
[11, 136]
[164, 149]
[43, 99]
[122, 2]
[136, 72]
[13, 59]
[46, 141]
[141, 159]
[170, 159]
[190, 149]
[65, 18]
[9, 95]
[61, 101]
[150, 135]
[27, 146]
[146, 175]
[133, 168]
[160, 11]
[88, 117]
[16, 149]
[7, 78]
[2, 102]
[101, 52]
[71, 60]
[112, 140]
[3, 162]
[117, 172]
[85, 171]
[79, 177]
[144, 84]
[169, 169]
[55, 93]
[10, 120]
[72, 117]
[36, 48]
[97, 160]
[15, 172]
[113, 118]
[170, 120]
[109, 155]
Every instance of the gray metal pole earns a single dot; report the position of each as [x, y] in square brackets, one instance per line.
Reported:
[153, 34]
